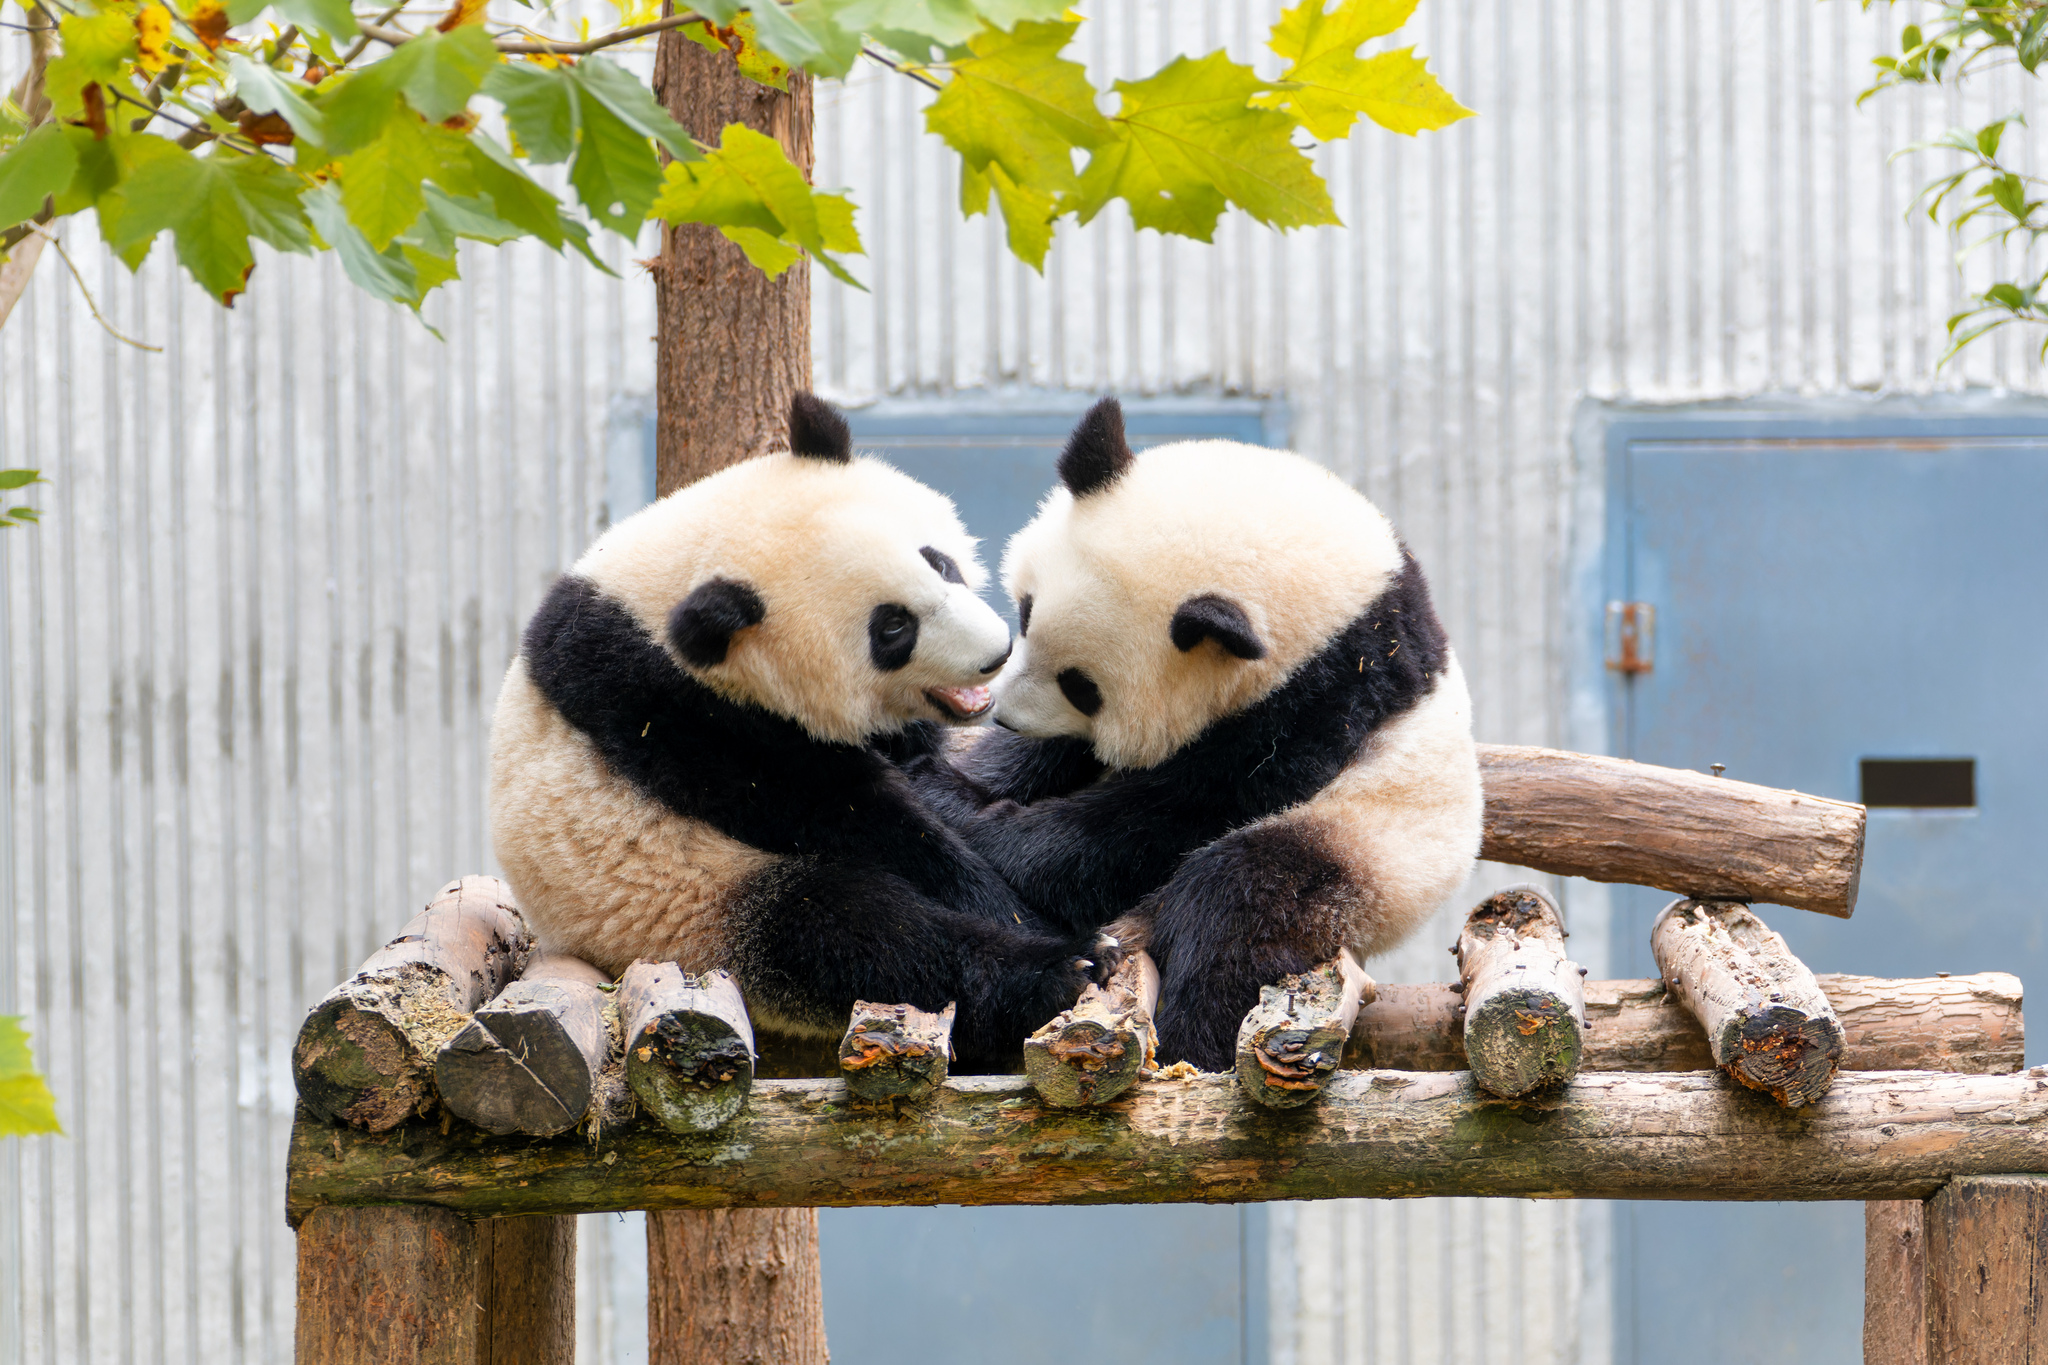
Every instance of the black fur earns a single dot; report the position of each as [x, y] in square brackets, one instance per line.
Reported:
[1210, 617]
[1080, 691]
[1238, 914]
[1024, 614]
[1086, 854]
[892, 636]
[1097, 453]
[878, 899]
[817, 431]
[702, 625]
[944, 565]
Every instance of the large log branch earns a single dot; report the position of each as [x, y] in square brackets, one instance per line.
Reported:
[1947, 1023]
[990, 1140]
[1610, 820]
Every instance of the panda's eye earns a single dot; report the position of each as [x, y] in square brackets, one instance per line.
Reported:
[1024, 614]
[944, 565]
[1080, 691]
[892, 635]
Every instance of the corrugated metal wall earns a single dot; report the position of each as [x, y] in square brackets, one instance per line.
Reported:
[250, 654]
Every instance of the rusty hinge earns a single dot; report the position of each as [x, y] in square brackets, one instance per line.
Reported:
[1631, 637]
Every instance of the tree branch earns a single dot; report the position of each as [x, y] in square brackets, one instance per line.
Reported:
[541, 47]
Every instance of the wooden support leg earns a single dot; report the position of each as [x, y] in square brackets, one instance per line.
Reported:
[734, 1287]
[417, 1285]
[1987, 1271]
[1894, 1282]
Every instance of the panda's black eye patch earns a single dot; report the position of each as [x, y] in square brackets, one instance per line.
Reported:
[1024, 614]
[892, 636]
[1080, 689]
[944, 565]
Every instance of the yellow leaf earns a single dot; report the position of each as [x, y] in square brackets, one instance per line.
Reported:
[1327, 85]
[460, 13]
[755, 62]
[152, 31]
[208, 21]
[770, 255]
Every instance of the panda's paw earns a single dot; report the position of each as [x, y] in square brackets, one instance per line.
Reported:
[1101, 958]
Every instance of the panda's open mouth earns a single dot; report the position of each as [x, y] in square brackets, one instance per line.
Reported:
[961, 703]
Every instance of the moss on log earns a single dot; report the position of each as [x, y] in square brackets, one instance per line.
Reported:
[688, 1042]
[991, 1140]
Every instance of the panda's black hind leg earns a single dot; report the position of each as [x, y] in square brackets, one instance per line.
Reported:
[1238, 914]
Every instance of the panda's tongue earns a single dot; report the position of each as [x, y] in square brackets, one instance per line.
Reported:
[963, 702]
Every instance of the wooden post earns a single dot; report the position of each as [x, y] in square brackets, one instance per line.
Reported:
[1611, 820]
[418, 1285]
[1766, 1018]
[529, 1061]
[1895, 1282]
[895, 1052]
[689, 1045]
[365, 1054]
[1093, 1052]
[1293, 1040]
[1525, 1001]
[1987, 1271]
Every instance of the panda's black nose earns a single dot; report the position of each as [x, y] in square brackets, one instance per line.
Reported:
[993, 664]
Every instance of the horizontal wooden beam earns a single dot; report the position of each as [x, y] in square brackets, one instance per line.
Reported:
[990, 1140]
[1934, 1023]
[1610, 820]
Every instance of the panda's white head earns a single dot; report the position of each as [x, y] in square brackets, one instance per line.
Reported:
[1158, 593]
[835, 591]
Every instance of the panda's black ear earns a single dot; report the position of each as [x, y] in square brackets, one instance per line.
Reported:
[1096, 454]
[702, 625]
[817, 431]
[1210, 617]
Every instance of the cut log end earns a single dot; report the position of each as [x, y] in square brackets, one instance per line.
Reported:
[689, 1046]
[1525, 1002]
[1292, 1041]
[895, 1052]
[528, 1061]
[1095, 1051]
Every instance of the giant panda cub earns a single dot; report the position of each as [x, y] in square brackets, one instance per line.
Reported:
[1237, 724]
[684, 763]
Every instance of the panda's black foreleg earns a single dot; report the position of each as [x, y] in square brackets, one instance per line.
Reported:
[1238, 914]
[810, 937]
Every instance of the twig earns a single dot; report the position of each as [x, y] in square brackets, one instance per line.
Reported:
[542, 47]
[356, 48]
[65, 257]
[285, 40]
[901, 69]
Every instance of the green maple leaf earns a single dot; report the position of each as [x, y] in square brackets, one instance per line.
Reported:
[748, 186]
[26, 1105]
[331, 17]
[1188, 142]
[386, 275]
[97, 48]
[621, 92]
[36, 168]
[1327, 85]
[540, 108]
[383, 185]
[517, 197]
[615, 172]
[1013, 101]
[356, 110]
[269, 196]
[438, 72]
[1027, 214]
[201, 201]
[917, 28]
[266, 91]
[807, 34]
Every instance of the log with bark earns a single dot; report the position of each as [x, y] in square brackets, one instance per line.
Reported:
[1767, 1021]
[1987, 1271]
[1525, 1001]
[1610, 820]
[688, 1043]
[991, 1140]
[1947, 1023]
[529, 1061]
[1292, 1041]
[1895, 1282]
[895, 1052]
[365, 1055]
[1093, 1052]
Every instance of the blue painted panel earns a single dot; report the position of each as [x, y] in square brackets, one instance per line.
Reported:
[1826, 592]
[1135, 1284]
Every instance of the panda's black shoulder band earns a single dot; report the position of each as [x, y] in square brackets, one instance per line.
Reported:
[817, 431]
[1097, 453]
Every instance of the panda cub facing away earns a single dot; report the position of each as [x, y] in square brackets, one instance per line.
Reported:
[683, 756]
[1237, 724]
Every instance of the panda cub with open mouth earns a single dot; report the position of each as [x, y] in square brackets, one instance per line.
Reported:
[1235, 732]
[684, 760]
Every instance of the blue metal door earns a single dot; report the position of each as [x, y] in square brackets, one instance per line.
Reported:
[1137, 1284]
[1854, 609]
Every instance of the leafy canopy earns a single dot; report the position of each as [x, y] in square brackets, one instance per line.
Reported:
[303, 126]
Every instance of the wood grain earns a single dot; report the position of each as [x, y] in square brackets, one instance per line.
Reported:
[526, 1276]
[1895, 1282]
[990, 1140]
[392, 1286]
[1987, 1271]
[1525, 1001]
[1610, 820]
[529, 1060]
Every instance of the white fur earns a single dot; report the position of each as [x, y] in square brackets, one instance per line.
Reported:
[823, 543]
[1288, 541]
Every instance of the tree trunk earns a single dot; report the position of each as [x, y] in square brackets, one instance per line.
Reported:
[1895, 1282]
[1987, 1271]
[732, 349]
